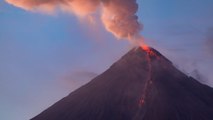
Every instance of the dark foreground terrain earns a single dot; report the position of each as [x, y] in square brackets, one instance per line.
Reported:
[142, 85]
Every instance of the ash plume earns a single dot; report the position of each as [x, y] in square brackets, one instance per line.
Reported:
[118, 16]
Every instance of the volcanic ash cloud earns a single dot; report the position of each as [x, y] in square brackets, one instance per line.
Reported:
[118, 16]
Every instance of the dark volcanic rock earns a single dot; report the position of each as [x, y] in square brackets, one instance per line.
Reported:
[142, 85]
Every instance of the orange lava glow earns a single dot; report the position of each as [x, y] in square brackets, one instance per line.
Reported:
[149, 51]
[149, 77]
[145, 47]
[149, 82]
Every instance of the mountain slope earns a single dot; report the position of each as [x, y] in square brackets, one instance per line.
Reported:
[142, 85]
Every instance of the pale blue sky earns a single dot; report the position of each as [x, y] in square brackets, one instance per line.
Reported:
[45, 57]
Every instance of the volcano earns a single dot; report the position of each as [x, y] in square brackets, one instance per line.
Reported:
[142, 85]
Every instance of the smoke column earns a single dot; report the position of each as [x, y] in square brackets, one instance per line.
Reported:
[118, 16]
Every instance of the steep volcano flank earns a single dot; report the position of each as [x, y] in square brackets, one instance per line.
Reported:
[142, 85]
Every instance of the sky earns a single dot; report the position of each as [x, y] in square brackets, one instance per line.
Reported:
[44, 57]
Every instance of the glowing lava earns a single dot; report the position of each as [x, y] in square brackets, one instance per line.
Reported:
[145, 47]
[150, 53]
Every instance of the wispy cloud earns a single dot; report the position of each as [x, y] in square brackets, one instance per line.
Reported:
[209, 41]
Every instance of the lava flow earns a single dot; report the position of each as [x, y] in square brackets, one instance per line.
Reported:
[148, 82]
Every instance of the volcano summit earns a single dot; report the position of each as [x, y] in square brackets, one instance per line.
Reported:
[142, 85]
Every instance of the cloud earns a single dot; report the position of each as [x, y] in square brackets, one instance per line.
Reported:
[85, 74]
[76, 79]
[209, 41]
[80, 77]
[198, 76]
